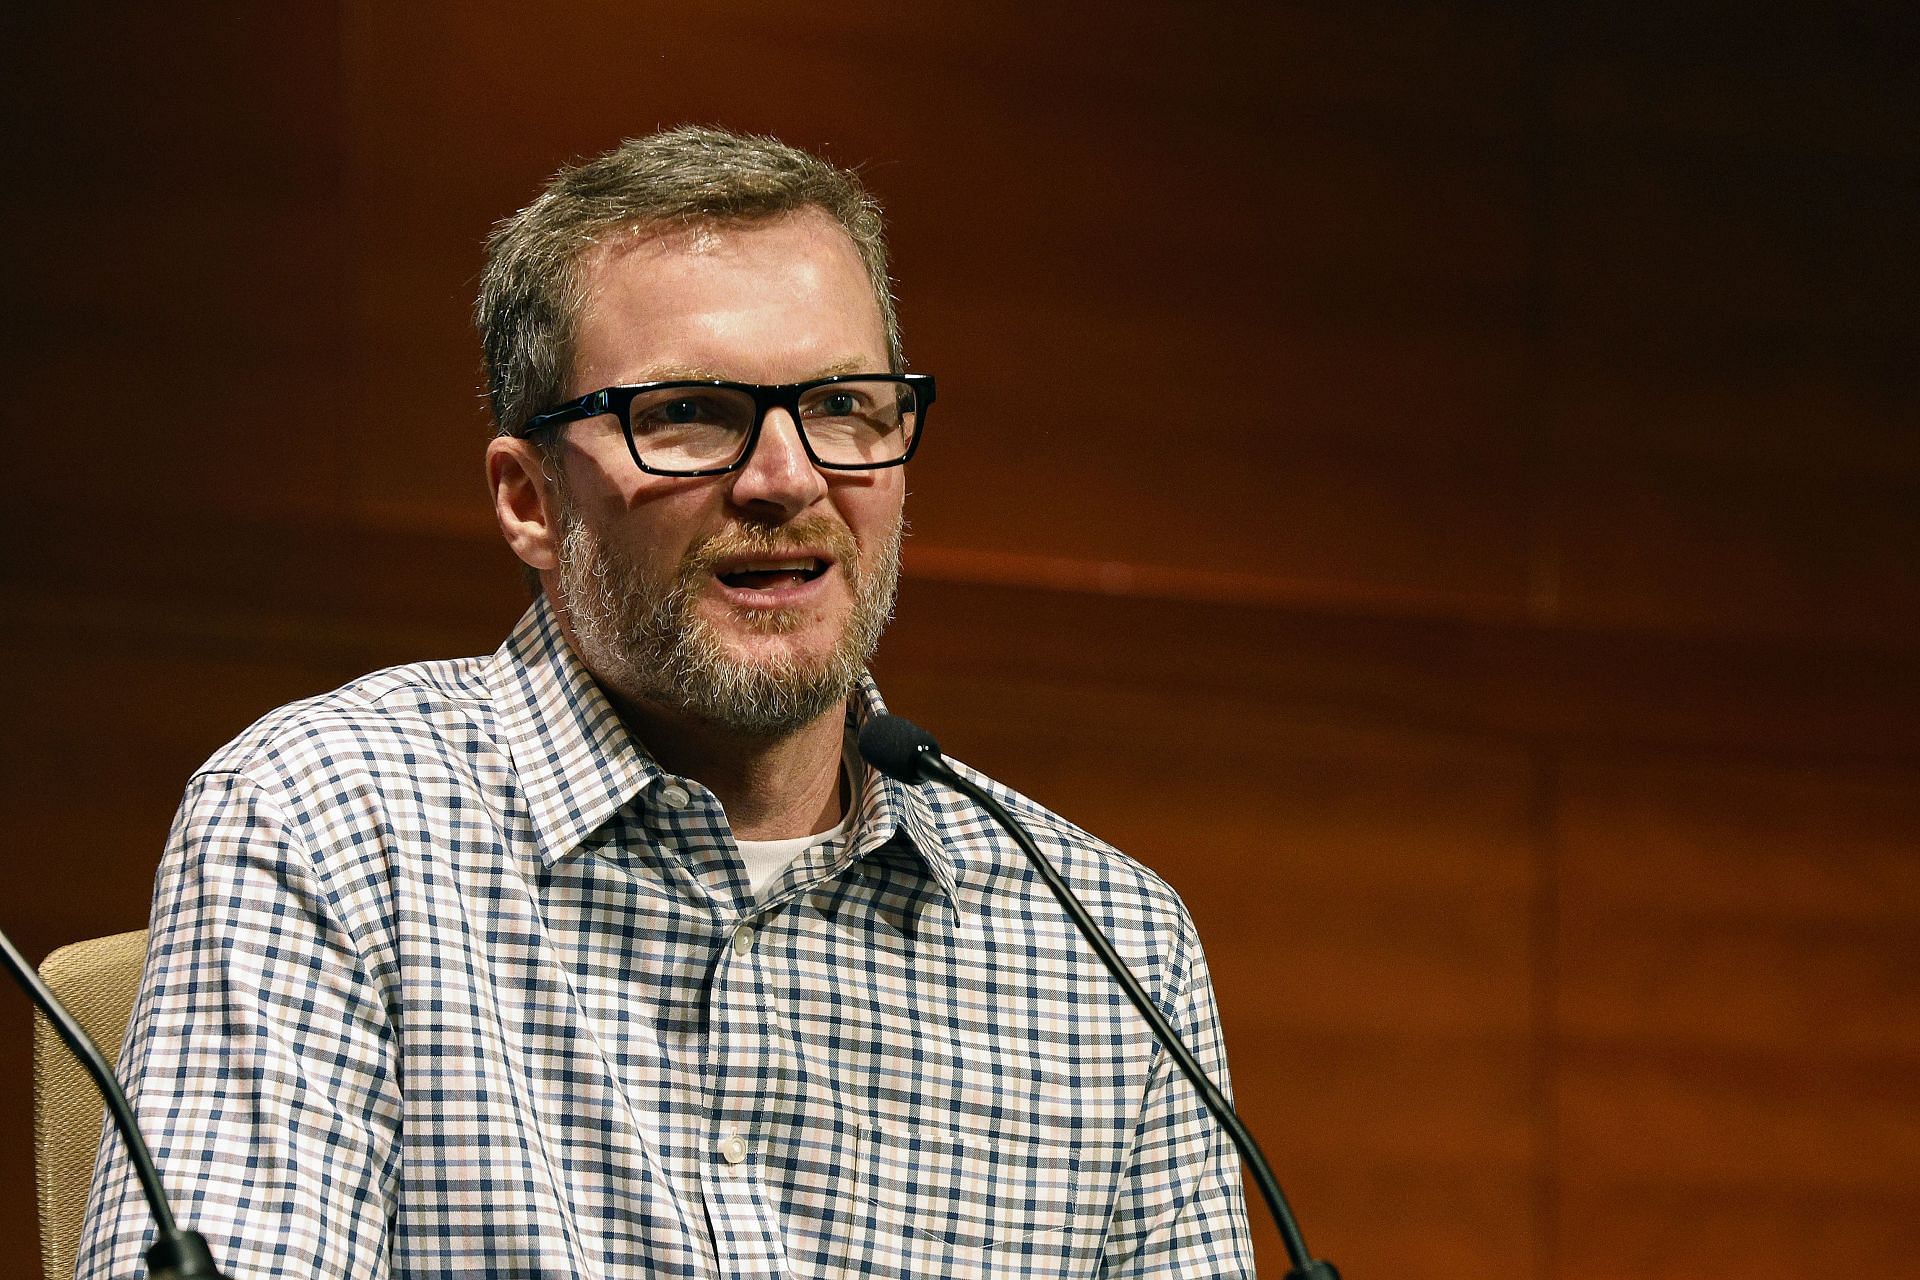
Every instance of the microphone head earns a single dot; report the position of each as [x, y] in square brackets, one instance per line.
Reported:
[900, 749]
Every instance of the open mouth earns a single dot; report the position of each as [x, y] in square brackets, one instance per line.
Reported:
[770, 575]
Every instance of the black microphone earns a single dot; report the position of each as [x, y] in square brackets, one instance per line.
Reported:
[175, 1254]
[904, 751]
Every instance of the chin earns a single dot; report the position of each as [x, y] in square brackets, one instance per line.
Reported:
[777, 648]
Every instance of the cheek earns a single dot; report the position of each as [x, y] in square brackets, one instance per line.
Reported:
[660, 522]
[872, 512]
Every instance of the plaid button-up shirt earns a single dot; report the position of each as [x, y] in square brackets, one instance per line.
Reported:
[447, 977]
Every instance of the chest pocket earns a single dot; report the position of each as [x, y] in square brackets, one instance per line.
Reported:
[960, 1205]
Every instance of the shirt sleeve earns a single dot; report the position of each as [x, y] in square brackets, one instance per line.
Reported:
[259, 1059]
[1181, 1212]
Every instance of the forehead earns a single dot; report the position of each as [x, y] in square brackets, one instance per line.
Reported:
[709, 298]
[660, 254]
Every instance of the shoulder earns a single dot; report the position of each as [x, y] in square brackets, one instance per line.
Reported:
[1080, 855]
[397, 704]
[1136, 908]
[347, 794]
[393, 725]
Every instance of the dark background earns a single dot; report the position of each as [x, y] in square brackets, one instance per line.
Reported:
[1437, 481]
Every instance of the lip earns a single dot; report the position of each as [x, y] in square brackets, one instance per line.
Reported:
[786, 595]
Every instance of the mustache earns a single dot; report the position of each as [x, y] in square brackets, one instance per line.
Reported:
[807, 535]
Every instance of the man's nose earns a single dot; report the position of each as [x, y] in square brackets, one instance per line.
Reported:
[779, 475]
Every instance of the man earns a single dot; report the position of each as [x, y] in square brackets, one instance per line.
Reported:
[605, 955]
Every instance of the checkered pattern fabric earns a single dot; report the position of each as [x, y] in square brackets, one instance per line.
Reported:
[447, 977]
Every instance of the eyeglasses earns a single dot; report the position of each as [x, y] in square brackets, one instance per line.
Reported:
[850, 422]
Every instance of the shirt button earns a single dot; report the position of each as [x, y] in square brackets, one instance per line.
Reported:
[675, 796]
[743, 940]
[733, 1149]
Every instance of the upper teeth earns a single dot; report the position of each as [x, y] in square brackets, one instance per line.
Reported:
[774, 566]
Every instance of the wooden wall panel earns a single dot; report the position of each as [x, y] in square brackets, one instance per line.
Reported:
[1739, 555]
[1730, 280]
[1409, 481]
[1540, 659]
[1784, 79]
[1740, 1003]
[172, 222]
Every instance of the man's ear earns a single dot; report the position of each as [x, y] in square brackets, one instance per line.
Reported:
[524, 501]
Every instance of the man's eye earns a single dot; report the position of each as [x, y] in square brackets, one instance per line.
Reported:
[682, 411]
[838, 404]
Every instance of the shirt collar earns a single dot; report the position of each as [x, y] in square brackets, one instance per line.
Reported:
[891, 809]
[578, 764]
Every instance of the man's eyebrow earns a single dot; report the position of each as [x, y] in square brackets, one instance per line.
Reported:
[852, 364]
[702, 373]
[675, 373]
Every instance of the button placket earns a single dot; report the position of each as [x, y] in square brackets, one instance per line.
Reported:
[738, 1052]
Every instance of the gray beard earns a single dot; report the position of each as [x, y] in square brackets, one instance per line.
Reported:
[645, 639]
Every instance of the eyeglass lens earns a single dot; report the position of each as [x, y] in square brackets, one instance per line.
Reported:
[851, 423]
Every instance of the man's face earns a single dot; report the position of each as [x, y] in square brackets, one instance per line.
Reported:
[750, 601]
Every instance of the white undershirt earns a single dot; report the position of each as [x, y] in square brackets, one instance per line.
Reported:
[767, 860]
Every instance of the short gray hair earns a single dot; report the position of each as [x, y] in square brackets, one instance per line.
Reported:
[531, 293]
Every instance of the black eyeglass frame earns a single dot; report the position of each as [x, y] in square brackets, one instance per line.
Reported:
[617, 400]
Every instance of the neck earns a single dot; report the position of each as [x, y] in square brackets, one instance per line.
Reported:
[771, 788]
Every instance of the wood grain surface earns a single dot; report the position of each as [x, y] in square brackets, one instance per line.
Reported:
[1440, 483]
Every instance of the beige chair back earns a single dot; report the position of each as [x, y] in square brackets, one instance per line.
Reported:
[96, 980]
